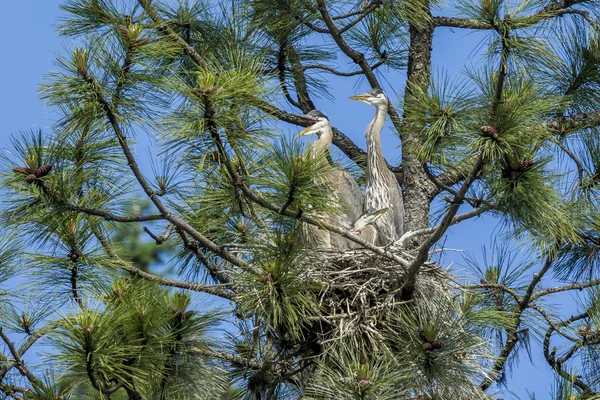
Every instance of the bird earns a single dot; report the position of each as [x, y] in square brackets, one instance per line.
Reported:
[381, 188]
[345, 190]
[363, 227]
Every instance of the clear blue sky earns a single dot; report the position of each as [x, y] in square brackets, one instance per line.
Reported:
[29, 40]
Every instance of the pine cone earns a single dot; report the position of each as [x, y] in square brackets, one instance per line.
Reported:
[427, 346]
[526, 164]
[142, 42]
[31, 177]
[514, 175]
[437, 343]
[490, 131]
[22, 170]
[124, 32]
[43, 171]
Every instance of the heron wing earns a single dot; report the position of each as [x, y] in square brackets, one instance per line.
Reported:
[350, 196]
[398, 205]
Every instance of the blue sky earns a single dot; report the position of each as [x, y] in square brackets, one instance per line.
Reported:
[28, 43]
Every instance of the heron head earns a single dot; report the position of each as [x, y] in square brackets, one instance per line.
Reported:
[320, 121]
[369, 217]
[374, 97]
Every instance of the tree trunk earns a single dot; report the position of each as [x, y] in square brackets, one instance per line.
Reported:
[418, 190]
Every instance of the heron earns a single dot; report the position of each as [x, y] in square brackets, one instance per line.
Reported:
[363, 227]
[346, 191]
[381, 188]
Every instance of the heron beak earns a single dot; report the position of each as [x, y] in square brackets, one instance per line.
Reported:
[306, 131]
[361, 97]
[380, 212]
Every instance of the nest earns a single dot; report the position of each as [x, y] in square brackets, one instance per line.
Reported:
[360, 289]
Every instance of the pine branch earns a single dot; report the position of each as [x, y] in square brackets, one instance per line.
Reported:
[357, 57]
[410, 235]
[410, 277]
[512, 333]
[19, 362]
[170, 33]
[551, 356]
[215, 290]
[217, 273]
[558, 289]
[108, 216]
[368, 10]
[574, 123]
[340, 73]
[231, 358]
[552, 323]
[133, 165]
[553, 10]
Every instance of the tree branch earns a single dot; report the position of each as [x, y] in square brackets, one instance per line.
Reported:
[110, 216]
[340, 73]
[554, 9]
[357, 57]
[512, 333]
[231, 358]
[18, 361]
[170, 33]
[215, 290]
[410, 277]
[558, 289]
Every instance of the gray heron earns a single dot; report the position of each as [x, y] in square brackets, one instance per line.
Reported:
[381, 189]
[344, 188]
[364, 228]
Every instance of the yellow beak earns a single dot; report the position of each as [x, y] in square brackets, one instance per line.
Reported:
[358, 97]
[304, 132]
[382, 211]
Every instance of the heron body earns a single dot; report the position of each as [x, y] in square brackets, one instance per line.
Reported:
[381, 188]
[345, 192]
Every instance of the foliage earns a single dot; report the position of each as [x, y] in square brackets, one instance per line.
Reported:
[226, 198]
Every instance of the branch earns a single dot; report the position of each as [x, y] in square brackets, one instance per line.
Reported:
[110, 216]
[410, 277]
[551, 358]
[133, 165]
[164, 28]
[26, 346]
[340, 73]
[554, 9]
[573, 123]
[506, 289]
[232, 358]
[357, 57]
[558, 289]
[371, 7]
[580, 169]
[428, 231]
[214, 271]
[552, 323]
[512, 333]
[19, 362]
[215, 290]
[160, 239]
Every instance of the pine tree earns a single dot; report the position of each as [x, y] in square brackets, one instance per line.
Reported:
[211, 84]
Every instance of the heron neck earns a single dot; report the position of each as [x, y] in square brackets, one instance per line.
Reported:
[373, 136]
[323, 142]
